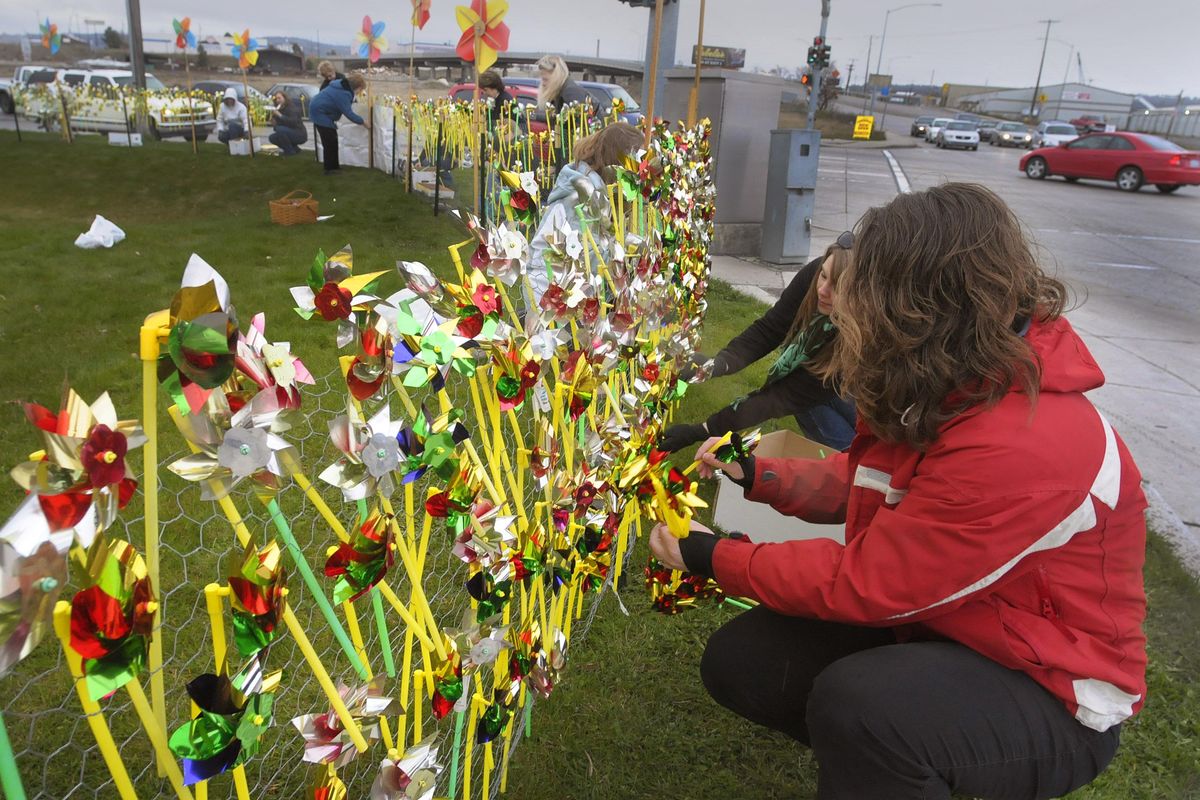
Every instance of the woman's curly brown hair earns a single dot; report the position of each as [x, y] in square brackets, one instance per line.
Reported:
[930, 309]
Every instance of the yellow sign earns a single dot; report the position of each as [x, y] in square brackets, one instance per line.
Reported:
[1042, 98]
[863, 126]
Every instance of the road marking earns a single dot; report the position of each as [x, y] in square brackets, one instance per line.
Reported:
[897, 173]
[854, 172]
[1122, 236]
[1119, 265]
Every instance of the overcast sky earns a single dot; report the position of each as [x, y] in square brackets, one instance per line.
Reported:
[1148, 47]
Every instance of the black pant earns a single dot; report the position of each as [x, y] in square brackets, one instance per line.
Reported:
[288, 139]
[894, 721]
[329, 146]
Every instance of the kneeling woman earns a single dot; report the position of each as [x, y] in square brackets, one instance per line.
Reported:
[980, 631]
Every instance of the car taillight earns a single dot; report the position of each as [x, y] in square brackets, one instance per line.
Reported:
[1175, 161]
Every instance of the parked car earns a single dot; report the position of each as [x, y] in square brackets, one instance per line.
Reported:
[986, 127]
[217, 90]
[1052, 134]
[1129, 159]
[102, 109]
[1088, 122]
[1011, 134]
[963, 116]
[935, 127]
[603, 96]
[302, 93]
[959, 134]
[919, 125]
[19, 79]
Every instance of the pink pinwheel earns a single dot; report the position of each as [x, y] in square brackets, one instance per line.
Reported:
[484, 32]
[51, 38]
[370, 40]
[420, 13]
[184, 38]
[245, 49]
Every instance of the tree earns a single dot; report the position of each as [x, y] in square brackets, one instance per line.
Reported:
[830, 88]
[201, 57]
[113, 39]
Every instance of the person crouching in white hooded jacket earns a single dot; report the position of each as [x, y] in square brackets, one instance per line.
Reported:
[232, 120]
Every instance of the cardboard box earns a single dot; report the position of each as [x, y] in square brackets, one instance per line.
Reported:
[239, 147]
[125, 140]
[733, 512]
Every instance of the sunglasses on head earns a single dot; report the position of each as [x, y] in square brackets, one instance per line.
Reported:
[845, 240]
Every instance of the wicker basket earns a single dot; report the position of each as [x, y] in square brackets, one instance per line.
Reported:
[294, 208]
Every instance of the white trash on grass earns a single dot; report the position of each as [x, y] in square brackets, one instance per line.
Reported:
[102, 234]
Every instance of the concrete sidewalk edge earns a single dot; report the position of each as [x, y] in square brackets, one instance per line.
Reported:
[1163, 519]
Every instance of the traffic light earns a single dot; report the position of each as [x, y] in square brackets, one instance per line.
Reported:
[806, 80]
[818, 54]
[812, 56]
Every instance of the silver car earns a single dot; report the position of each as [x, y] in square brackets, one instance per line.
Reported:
[1011, 134]
[935, 128]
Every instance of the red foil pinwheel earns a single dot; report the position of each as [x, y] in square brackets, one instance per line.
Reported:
[363, 561]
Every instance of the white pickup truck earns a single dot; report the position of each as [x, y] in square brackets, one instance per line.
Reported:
[19, 79]
[95, 104]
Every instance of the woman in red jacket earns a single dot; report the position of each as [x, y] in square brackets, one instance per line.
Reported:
[979, 631]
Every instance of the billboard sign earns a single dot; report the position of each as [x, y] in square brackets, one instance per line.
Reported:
[724, 57]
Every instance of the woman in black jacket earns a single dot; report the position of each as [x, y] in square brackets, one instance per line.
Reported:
[556, 91]
[799, 324]
[290, 132]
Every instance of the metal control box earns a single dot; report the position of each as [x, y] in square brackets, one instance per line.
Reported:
[791, 195]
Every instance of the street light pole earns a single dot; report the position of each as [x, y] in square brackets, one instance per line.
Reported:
[1038, 86]
[883, 38]
[814, 94]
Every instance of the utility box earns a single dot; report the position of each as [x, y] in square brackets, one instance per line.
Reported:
[791, 195]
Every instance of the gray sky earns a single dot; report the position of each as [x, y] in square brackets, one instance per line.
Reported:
[1146, 47]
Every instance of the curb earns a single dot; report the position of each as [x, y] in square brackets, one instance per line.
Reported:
[851, 144]
[1168, 524]
[755, 293]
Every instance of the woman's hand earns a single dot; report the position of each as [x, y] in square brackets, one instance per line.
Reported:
[709, 463]
[665, 546]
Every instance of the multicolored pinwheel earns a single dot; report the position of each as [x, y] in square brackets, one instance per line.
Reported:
[334, 292]
[326, 741]
[420, 13]
[257, 598]
[184, 38]
[244, 49]
[363, 561]
[112, 620]
[202, 344]
[484, 32]
[51, 38]
[232, 715]
[370, 41]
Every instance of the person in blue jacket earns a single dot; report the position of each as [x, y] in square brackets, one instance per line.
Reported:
[331, 104]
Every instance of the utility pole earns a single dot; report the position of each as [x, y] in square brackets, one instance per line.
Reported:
[1066, 73]
[1038, 86]
[849, 74]
[814, 95]
[137, 53]
[867, 79]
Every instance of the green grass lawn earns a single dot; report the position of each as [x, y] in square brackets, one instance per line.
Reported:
[630, 719]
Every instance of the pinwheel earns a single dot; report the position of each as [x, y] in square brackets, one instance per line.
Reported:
[257, 598]
[51, 38]
[479, 306]
[244, 49]
[488, 538]
[436, 353]
[478, 642]
[327, 785]
[447, 685]
[517, 372]
[202, 342]
[326, 741]
[595, 554]
[366, 373]
[431, 443]
[496, 715]
[370, 453]
[544, 457]
[490, 594]
[233, 447]
[456, 502]
[420, 14]
[184, 38]
[484, 32]
[232, 715]
[370, 41]
[363, 561]
[269, 366]
[411, 776]
[335, 293]
[80, 479]
[424, 284]
[113, 618]
[30, 583]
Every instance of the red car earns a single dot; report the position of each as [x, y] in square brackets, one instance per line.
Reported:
[1130, 159]
[522, 95]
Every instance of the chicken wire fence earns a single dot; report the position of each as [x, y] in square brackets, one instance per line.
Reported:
[55, 749]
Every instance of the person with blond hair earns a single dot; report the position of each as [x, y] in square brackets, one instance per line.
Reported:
[595, 155]
[979, 631]
[800, 330]
[331, 104]
[556, 88]
[328, 74]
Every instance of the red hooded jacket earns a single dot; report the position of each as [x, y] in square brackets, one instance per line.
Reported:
[1019, 532]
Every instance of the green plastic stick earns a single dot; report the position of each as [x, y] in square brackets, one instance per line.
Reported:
[10, 778]
[314, 588]
[528, 716]
[459, 718]
[385, 642]
[737, 603]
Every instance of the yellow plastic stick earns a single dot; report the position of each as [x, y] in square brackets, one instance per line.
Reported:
[158, 739]
[414, 625]
[322, 507]
[469, 745]
[92, 711]
[213, 593]
[154, 327]
[418, 676]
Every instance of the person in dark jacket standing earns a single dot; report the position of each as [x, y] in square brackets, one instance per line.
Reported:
[556, 91]
[799, 326]
[289, 127]
[328, 74]
[331, 104]
[979, 631]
